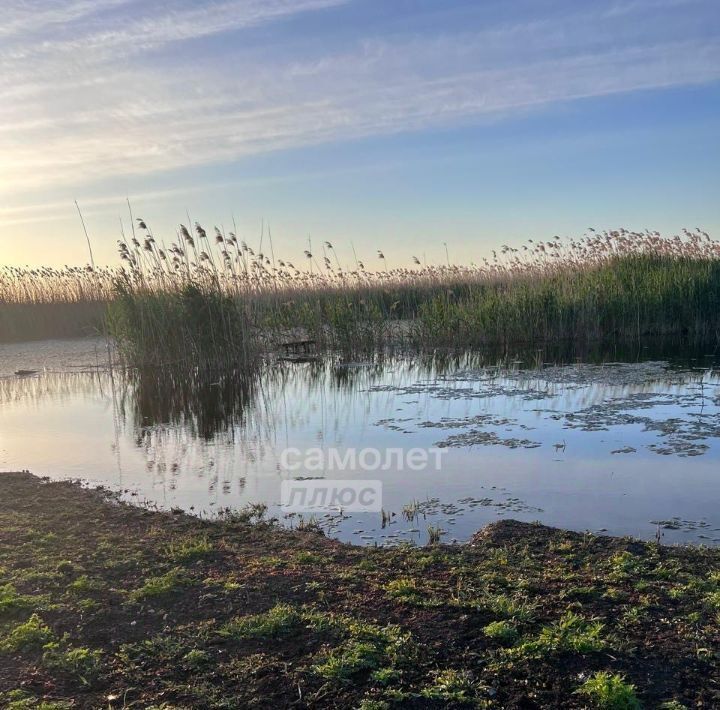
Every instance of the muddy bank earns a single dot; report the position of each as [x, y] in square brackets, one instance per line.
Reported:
[107, 605]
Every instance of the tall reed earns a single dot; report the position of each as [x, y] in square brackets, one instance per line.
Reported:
[212, 299]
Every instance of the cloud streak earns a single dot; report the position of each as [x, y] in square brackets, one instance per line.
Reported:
[124, 88]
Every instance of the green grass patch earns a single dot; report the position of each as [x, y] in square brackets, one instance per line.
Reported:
[570, 634]
[85, 585]
[22, 700]
[404, 589]
[519, 609]
[502, 631]
[451, 685]
[281, 620]
[83, 663]
[311, 559]
[366, 647]
[11, 602]
[31, 635]
[169, 584]
[189, 549]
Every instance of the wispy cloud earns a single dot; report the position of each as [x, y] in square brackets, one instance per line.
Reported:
[22, 17]
[90, 90]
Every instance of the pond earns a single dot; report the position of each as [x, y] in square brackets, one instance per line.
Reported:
[625, 448]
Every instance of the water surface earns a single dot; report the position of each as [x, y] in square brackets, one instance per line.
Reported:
[622, 448]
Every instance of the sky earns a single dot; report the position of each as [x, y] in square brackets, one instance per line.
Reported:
[401, 125]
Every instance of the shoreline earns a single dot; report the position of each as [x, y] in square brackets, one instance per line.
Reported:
[103, 604]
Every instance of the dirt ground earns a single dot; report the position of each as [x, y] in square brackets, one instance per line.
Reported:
[105, 605]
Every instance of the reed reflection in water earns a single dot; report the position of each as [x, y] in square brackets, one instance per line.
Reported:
[205, 443]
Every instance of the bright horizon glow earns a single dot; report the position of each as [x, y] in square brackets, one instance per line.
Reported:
[368, 123]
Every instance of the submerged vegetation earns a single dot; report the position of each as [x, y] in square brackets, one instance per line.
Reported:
[104, 605]
[213, 300]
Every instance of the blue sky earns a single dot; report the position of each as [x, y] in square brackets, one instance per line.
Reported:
[393, 124]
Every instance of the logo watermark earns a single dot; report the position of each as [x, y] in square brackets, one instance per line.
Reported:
[368, 459]
[313, 495]
[323, 495]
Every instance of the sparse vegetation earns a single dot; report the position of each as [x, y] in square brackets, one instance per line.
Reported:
[11, 602]
[434, 534]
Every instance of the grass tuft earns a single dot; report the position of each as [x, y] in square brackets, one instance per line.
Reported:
[606, 691]
[281, 620]
[28, 636]
[173, 582]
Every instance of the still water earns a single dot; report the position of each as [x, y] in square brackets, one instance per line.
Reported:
[622, 448]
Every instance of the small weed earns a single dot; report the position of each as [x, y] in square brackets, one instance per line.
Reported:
[84, 585]
[251, 513]
[368, 648]
[615, 594]
[196, 659]
[634, 615]
[609, 692]
[83, 663]
[189, 549]
[450, 685]
[281, 620]
[322, 622]
[31, 635]
[516, 608]
[66, 568]
[304, 557]
[163, 650]
[88, 605]
[434, 535]
[368, 704]
[502, 631]
[625, 564]
[667, 570]
[12, 602]
[571, 633]
[273, 561]
[410, 511]
[679, 592]
[403, 589]
[351, 658]
[712, 601]
[165, 585]
[367, 565]
[385, 676]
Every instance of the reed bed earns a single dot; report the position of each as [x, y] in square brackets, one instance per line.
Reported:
[49, 303]
[211, 298]
[613, 285]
